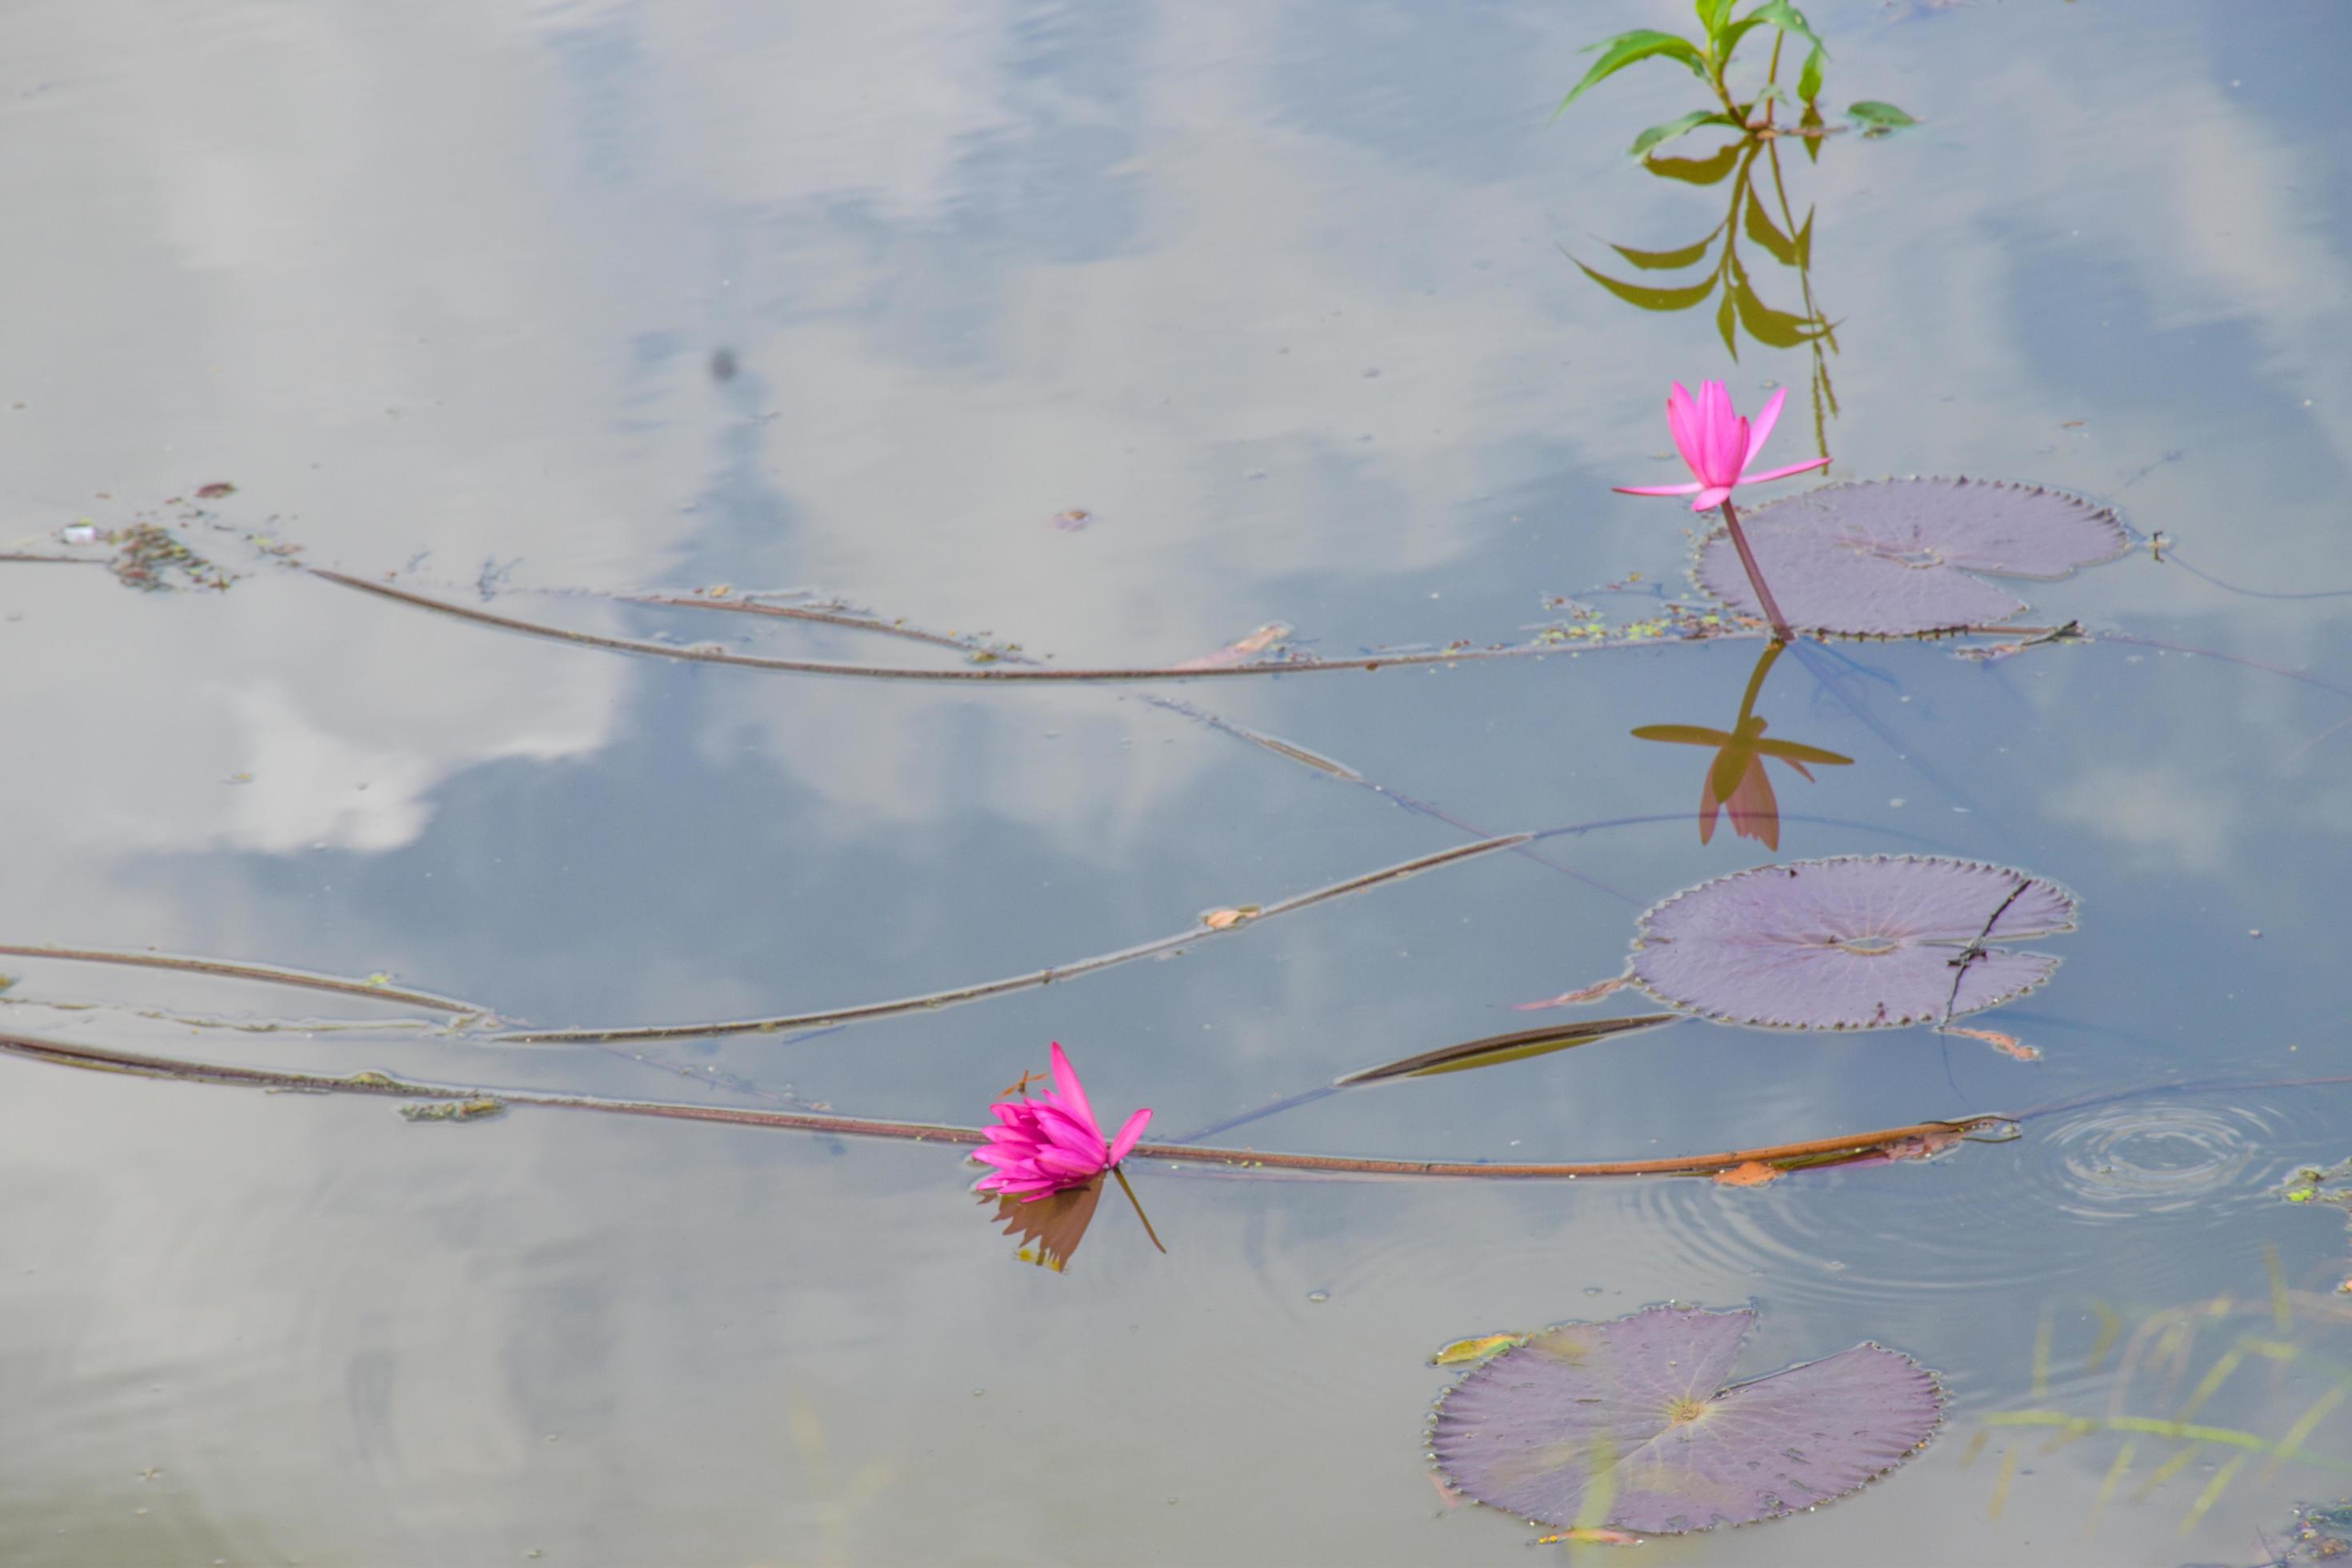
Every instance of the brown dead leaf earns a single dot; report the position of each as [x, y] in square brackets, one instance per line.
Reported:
[1748, 1173]
[1919, 1146]
[1573, 998]
[1478, 1348]
[1070, 522]
[2007, 1045]
[215, 490]
[1233, 653]
[1225, 920]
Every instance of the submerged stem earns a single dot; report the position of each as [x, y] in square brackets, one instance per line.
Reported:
[1139, 1209]
[1756, 575]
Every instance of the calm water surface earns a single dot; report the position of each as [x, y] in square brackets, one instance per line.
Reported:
[529, 299]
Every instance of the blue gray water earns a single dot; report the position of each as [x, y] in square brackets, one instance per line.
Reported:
[541, 296]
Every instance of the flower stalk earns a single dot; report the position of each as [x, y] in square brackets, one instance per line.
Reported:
[1780, 632]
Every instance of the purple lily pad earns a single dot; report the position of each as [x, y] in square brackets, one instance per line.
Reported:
[1854, 942]
[1632, 1416]
[1896, 557]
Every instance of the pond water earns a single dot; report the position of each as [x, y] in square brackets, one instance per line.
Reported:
[530, 308]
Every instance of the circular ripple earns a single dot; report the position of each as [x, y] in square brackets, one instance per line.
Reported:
[2180, 1175]
[2154, 1157]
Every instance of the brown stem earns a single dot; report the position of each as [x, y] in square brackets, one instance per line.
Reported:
[267, 974]
[1229, 1162]
[1756, 575]
[932, 1000]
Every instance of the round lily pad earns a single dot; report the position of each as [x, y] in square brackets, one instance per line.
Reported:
[1900, 557]
[1631, 1420]
[1853, 942]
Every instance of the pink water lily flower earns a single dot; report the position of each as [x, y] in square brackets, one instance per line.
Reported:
[1051, 1143]
[1718, 444]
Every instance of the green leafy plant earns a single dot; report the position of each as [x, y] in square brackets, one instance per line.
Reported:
[2148, 1411]
[1709, 59]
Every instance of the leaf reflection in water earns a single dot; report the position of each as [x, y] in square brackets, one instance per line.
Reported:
[1775, 231]
[1736, 777]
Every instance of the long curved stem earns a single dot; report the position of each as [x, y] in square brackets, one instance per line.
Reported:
[1781, 631]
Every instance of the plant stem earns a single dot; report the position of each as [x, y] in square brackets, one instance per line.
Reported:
[1755, 684]
[1781, 631]
[1139, 1209]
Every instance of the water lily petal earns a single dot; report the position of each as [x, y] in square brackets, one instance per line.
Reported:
[1681, 422]
[1727, 436]
[1783, 473]
[1063, 1163]
[1128, 1134]
[1761, 430]
[1065, 1079]
[1713, 496]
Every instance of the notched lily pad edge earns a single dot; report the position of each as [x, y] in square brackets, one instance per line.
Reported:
[1716, 1016]
[2098, 509]
[1517, 1342]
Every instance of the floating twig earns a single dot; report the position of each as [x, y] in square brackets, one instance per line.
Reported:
[994, 672]
[1234, 1161]
[1035, 977]
[267, 974]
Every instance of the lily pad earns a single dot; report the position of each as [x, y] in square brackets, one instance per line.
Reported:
[1629, 1423]
[1899, 557]
[1853, 942]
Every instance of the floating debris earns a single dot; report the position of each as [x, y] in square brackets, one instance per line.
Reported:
[473, 1109]
[148, 558]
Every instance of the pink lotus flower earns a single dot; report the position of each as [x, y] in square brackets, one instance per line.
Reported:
[1052, 1143]
[1718, 444]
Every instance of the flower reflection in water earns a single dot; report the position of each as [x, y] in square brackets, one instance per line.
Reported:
[1049, 1228]
[1736, 777]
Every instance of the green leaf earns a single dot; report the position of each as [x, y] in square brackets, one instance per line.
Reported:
[1787, 19]
[1812, 122]
[1879, 116]
[1792, 751]
[1809, 80]
[1729, 38]
[1674, 128]
[1651, 299]
[1804, 242]
[1683, 735]
[1761, 230]
[1711, 13]
[1514, 1047]
[1723, 324]
[1775, 329]
[1625, 48]
[1667, 260]
[1704, 171]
